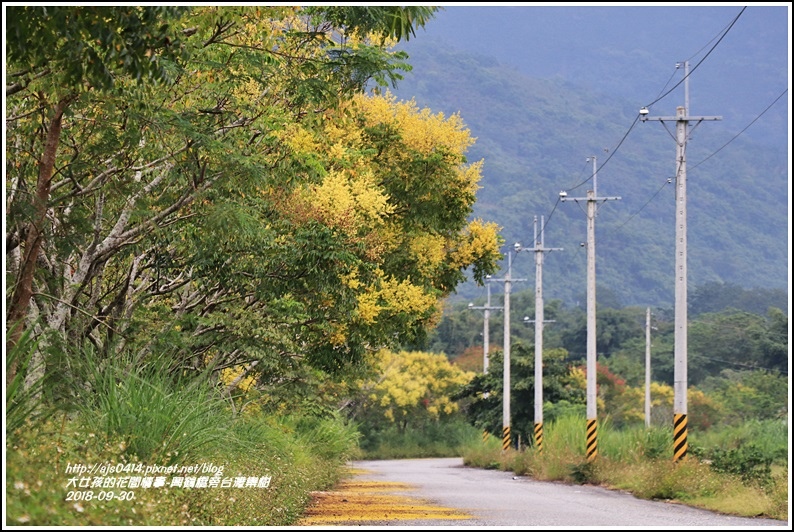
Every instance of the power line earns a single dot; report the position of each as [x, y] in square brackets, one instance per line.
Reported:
[667, 182]
[721, 35]
[668, 81]
[636, 119]
[701, 61]
[548, 218]
[611, 154]
[750, 366]
[743, 130]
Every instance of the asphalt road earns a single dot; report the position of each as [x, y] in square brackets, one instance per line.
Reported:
[498, 498]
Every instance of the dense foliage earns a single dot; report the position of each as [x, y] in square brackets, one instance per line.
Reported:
[214, 216]
[223, 230]
[737, 364]
[732, 338]
[237, 200]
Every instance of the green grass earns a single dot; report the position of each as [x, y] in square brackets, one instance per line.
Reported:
[445, 438]
[36, 485]
[158, 418]
[147, 418]
[640, 461]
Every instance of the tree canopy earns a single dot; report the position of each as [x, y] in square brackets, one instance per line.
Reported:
[220, 186]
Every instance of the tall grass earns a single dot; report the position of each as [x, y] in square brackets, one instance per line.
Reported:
[158, 417]
[300, 454]
[445, 438]
[769, 436]
[127, 414]
[328, 437]
[23, 395]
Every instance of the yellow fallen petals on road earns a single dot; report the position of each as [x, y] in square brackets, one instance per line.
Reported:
[355, 501]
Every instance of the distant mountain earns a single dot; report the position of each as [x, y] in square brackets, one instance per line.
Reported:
[535, 135]
[631, 52]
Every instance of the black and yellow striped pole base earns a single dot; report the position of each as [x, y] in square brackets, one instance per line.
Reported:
[485, 436]
[539, 437]
[592, 439]
[505, 438]
[679, 437]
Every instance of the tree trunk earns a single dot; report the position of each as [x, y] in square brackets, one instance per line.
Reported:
[23, 291]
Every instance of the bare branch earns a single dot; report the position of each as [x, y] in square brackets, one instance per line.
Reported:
[18, 117]
[243, 374]
[19, 86]
[78, 309]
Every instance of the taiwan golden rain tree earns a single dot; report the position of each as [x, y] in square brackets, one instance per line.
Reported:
[237, 202]
[147, 152]
[409, 389]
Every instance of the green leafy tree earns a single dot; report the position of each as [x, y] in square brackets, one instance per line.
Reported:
[729, 339]
[775, 343]
[482, 397]
[748, 394]
[88, 47]
[716, 297]
[55, 54]
[614, 328]
[189, 214]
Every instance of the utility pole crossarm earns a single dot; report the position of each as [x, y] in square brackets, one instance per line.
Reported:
[603, 198]
[487, 308]
[646, 118]
[527, 319]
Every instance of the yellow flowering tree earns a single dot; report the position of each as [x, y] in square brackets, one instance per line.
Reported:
[240, 195]
[410, 389]
[396, 192]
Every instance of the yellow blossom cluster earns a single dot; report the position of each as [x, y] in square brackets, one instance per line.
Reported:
[415, 383]
[420, 129]
[661, 394]
[347, 201]
[478, 239]
[392, 296]
[428, 251]
[339, 335]
[228, 376]
[297, 138]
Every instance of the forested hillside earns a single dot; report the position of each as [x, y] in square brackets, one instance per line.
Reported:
[535, 135]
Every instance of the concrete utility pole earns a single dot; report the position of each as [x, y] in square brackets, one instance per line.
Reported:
[539, 250]
[485, 335]
[506, 438]
[682, 120]
[591, 433]
[485, 329]
[648, 367]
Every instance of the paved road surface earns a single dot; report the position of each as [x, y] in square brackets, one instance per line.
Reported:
[497, 498]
